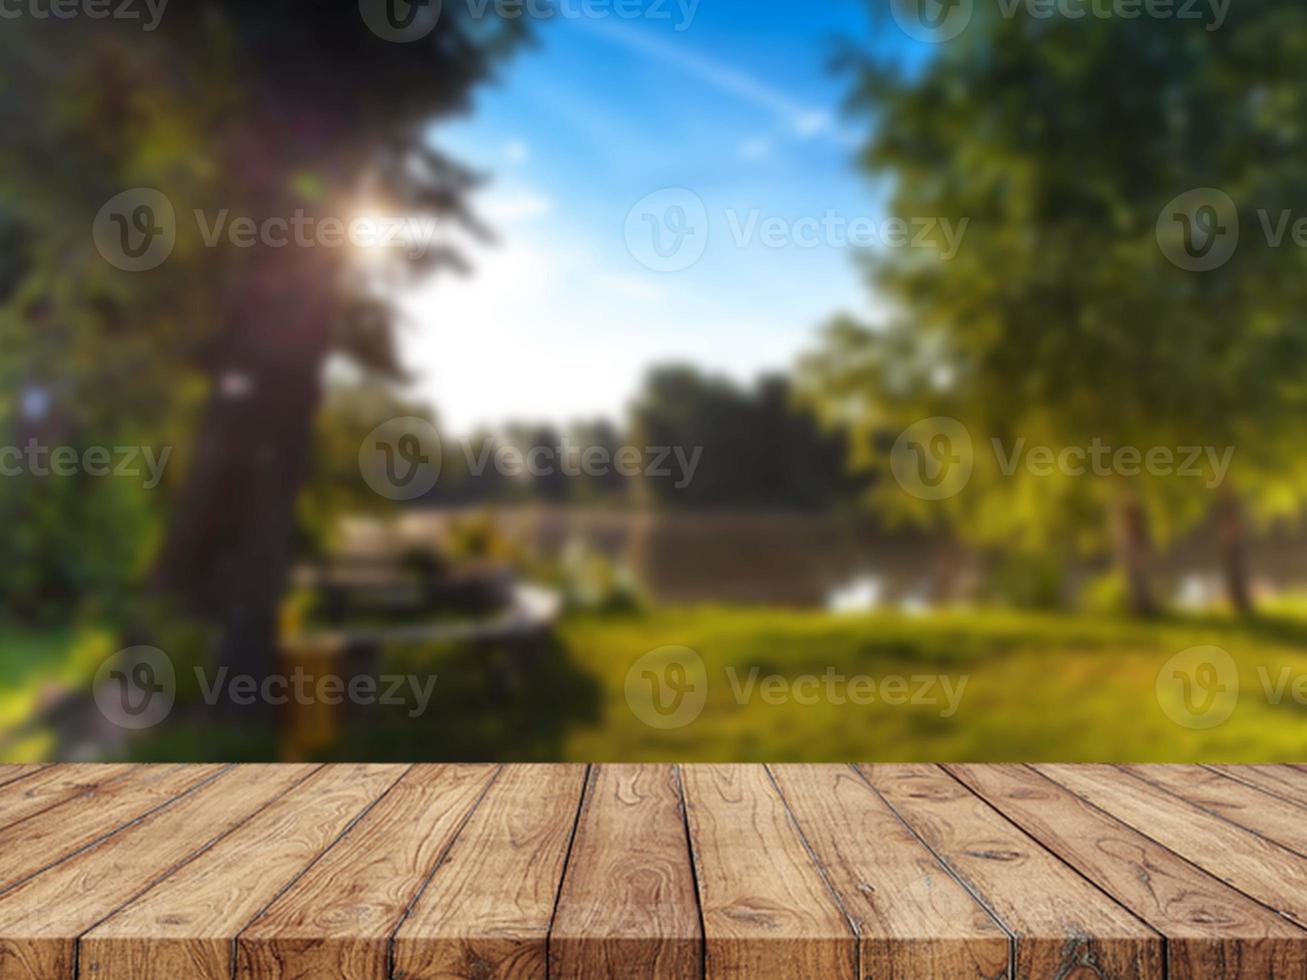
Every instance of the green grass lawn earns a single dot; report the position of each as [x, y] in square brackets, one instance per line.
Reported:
[37, 667]
[1020, 686]
[1038, 687]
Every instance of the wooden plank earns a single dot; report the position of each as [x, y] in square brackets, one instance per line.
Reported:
[50, 836]
[337, 919]
[1211, 930]
[185, 925]
[51, 786]
[767, 912]
[1062, 924]
[1268, 872]
[1286, 782]
[487, 910]
[41, 919]
[915, 922]
[13, 771]
[1283, 822]
[627, 907]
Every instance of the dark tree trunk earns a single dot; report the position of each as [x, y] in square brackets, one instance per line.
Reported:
[1232, 532]
[1134, 553]
[226, 556]
[228, 549]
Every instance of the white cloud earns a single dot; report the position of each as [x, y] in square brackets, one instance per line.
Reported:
[813, 123]
[516, 152]
[508, 206]
[798, 117]
[630, 286]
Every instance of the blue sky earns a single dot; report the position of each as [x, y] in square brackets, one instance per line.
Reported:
[560, 319]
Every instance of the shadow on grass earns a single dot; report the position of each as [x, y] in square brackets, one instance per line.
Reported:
[487, 705]
[1286, 630]
[467, 703]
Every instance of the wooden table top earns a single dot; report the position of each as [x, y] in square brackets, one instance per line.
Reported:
[787, 871]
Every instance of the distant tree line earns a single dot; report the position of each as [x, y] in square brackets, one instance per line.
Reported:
[750, 446]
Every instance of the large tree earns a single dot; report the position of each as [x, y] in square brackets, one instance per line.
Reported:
[1061, 319]
[758, 449]
[265, 110]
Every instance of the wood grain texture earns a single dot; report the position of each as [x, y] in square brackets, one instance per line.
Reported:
[1062, 924]
[337, 919]
[1287, 782]
[41, 919]
[51, 835]
[767, 911]
[627, 905]
[1212, 931]
[1258, 811]
[186, 925]
[790, 871]
[487, 910]
[14, 771]
[49, 787]
[915, 922]
[1268, 872]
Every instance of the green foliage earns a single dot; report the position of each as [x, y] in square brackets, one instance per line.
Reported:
[250, 108]
[477, 538]
[758, 448]
[1059, 319]
[335, 486]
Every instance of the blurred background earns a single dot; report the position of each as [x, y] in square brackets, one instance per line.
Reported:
[711, 380]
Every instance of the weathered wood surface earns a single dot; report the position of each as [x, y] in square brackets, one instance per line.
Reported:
[514, 871]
